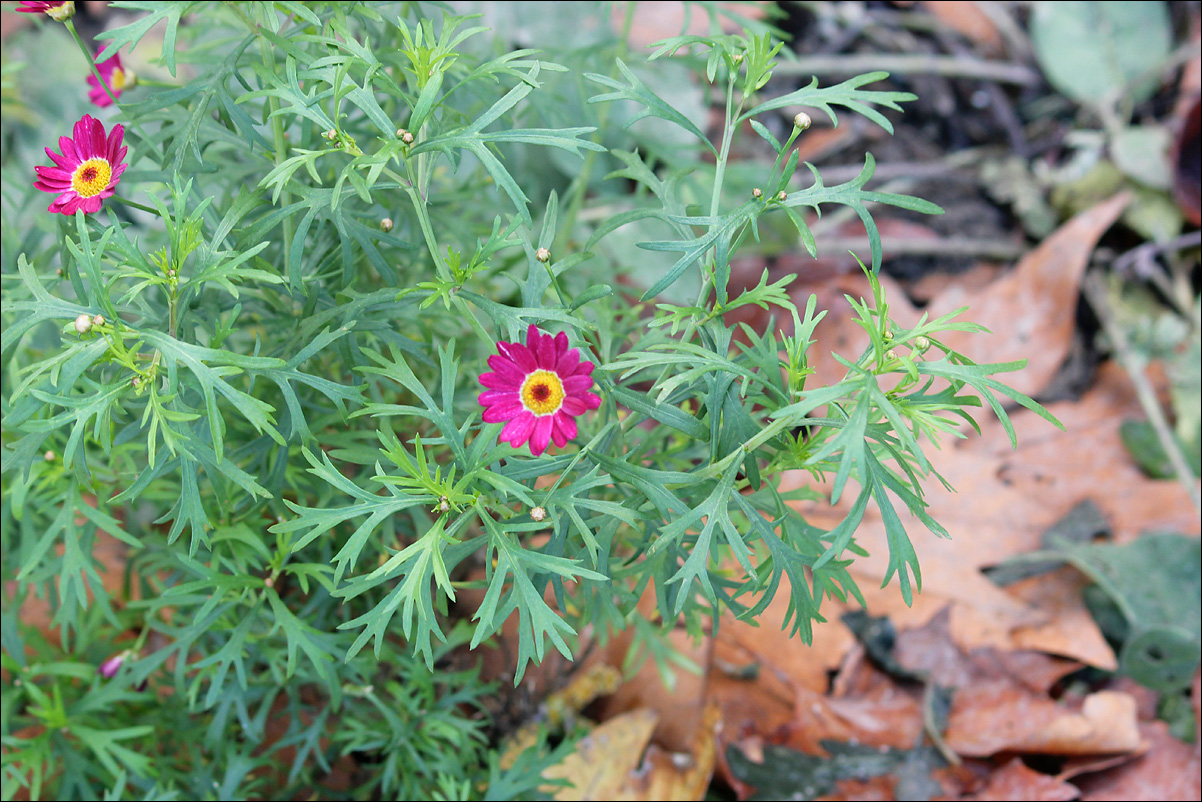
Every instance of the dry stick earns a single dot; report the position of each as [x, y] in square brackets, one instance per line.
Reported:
[1096, 294]
[912, 63]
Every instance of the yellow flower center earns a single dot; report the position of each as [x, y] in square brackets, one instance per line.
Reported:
[542, 392]
[91, 177]
[117, 80]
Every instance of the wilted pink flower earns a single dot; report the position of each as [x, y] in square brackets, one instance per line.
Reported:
[115, 75]
[539, 388]
[59, 11]
[88, 169]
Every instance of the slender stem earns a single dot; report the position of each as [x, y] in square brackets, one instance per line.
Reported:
[90, 58]
[423, 222]
[134, 204]
[727, 135]
[1096, 293]
[279, 143]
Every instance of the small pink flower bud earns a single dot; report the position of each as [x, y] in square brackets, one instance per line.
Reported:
[539, 514]
[802, 121]
[49, 456]
[83, 324]
[386, 224]
[757, 193]
[542, 255]
[98, 320]
[109, 668]
[407, 138]
[782, 195]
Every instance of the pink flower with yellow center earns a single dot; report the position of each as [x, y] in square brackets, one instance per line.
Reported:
[115, 76]
[88, 169]
[539, 388]
[59, 11]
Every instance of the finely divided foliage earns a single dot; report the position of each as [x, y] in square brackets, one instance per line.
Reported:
[271, 400]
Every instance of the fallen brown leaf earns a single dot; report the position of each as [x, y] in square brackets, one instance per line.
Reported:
[993, 717]
[1168, 770]
[1015, 781]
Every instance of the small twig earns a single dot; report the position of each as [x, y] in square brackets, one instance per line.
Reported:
[910, 64]
[1095, 293]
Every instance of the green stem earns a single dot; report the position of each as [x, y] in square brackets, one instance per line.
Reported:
[134, 204]
[279, 143]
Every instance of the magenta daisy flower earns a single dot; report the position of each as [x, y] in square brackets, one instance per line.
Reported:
[539, 388]
[59, 11]
[115, 76]
[88, 169]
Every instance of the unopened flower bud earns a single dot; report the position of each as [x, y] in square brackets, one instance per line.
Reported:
[58, 271]
[757, 193]
[109, 668]
[135, 382]
[888, 335]
[83, 324]
[49, 456]
[539, 513]
[407, 138]
[891, 354]
[98, 320]
[542, 255]
[443, 504]
[386, 224]
[802, 121]
[331, 135]
[782, 196]
[922, 343]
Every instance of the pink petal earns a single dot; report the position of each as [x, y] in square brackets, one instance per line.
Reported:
[541, 435]
[98, 142]
[113, 143]
[82, 129]
[61, 162]
[568, 362]
[591, 400]
[494, 396]
[574, 385]
[498, 413]
[519, 355]
[506, 370]
[544, 351]
[67, 146]
[573, 405]
[565, 429]
[495, 382]
[517, 431]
